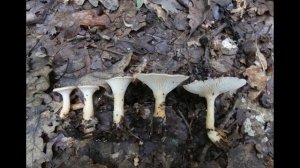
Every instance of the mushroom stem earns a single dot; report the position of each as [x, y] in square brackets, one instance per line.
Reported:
[118, 86]
[212, 134]
[160, 106]
[65, 93]
[88, 109]
[66, 105]
[210, 116]
[118, 107]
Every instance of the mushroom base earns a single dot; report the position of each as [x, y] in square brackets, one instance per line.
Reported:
[217, 136]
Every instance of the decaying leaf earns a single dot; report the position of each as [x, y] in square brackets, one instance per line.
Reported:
[240, 7]
[261, 59]
[91, 18]
[94, 2]
[39, 126]
[135, 22]
[110, 4]
[170, 6]
[222, 64]
[180, 21]
[197, 14]
[79, 2]
[158, 9]
[37, 81]
[256, 77]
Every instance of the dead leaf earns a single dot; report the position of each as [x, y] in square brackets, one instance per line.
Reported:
[261, 58]
[110, 4]
[244, 156]
[256, 77]
[79, 2]
[137, 21]
[197, 14]
[38, 151]
[94, 2]
[158, 9]
[270, 5]
[91, 18]
[253, 94]
[222, 64]
[261, 7]
[180, 21]
[240, 7]
[170, 6]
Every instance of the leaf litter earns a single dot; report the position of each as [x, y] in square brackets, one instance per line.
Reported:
[87, 42]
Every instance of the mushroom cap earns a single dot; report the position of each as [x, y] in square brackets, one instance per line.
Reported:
[64, 89]
[163, 83]
[214, 86]
[119, 83]
[91, 88]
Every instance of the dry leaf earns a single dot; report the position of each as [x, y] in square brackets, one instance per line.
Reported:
[256, 77]
[196, 14]
[240, 7]
[253, 94]
[94, 2]
[91, 18]
[38, 151]
[79, 2]
[262, 60]
[222, 64]
[110, 4]
[170, 6]
[158, 9]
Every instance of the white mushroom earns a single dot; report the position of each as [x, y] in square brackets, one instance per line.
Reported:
[210, 89]
[119, 86]
[161, 85]
[65, 93]
[88, 109]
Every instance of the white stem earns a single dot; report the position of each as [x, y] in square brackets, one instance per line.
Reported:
[66, 105]
[160, 105]
[210, 116]
[88, 109]
[212, 134]
[118, 108]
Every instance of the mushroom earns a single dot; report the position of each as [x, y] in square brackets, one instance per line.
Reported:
[161, 85]
[119, 86]
[210, 89]
[88, 109]
[65, 93]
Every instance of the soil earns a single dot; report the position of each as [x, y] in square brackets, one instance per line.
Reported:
[78, 42]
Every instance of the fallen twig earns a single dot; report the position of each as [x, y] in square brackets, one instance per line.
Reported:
[204, 151]
[186, 123]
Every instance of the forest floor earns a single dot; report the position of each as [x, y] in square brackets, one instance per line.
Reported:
[85, 42]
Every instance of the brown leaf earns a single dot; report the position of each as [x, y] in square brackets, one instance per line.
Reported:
[158, 9]
[256, 77]
[90, 18]
[197, 14]
[261, 59]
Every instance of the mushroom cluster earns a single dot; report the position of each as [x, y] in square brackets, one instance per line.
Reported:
[87, 90]
[161, 85]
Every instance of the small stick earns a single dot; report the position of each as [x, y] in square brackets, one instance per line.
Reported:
[186, 123]
[204, 151]
[108, 50]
